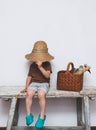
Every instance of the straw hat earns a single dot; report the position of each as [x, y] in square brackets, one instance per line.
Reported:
[39, 52]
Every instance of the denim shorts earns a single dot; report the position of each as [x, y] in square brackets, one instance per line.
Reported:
[39, 86]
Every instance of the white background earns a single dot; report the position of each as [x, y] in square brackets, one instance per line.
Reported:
[68, 27]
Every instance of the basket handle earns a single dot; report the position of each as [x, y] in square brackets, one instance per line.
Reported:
[68, 66]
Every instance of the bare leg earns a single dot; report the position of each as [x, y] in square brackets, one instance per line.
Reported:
[42, 102]
[29, 100]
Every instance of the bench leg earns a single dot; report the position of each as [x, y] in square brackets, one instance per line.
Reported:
[86, 113]
[79, 112]
[16, 114]
[11, 113]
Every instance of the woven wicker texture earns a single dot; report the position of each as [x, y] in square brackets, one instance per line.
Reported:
[68, 80]
[39, 52]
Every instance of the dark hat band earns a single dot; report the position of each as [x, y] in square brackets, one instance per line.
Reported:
[40, 51]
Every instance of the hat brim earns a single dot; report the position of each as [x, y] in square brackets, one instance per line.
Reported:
[39, 57]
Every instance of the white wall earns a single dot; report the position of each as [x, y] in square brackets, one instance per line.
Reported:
[68, 27]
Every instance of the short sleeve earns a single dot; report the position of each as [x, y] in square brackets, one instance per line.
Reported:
[30, 70]
[47, 66]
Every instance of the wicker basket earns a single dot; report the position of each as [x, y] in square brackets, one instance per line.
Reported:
[68, 80]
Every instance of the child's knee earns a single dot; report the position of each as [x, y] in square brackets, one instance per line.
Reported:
[29, 94]
[41, 95]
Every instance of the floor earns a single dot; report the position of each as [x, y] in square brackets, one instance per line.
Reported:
[30, 128]
[48, 128]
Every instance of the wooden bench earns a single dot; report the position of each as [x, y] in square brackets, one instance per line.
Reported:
[13, 93]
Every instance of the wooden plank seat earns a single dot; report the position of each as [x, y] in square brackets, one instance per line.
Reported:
[13, 93]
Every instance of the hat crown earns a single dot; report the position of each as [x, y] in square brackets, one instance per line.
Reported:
[40, 45]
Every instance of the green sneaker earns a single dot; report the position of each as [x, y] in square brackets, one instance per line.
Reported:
[29, 119]
[40, 122]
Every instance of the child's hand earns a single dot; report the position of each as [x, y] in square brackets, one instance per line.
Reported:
[24, 90]
[39, 63]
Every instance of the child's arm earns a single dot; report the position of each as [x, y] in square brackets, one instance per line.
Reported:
[28, 80]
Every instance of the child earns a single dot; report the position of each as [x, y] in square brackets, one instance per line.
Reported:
[38, 80]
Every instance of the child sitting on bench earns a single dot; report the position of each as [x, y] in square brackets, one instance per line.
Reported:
[38, 80]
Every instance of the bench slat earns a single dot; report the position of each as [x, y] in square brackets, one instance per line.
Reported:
[12, 91]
